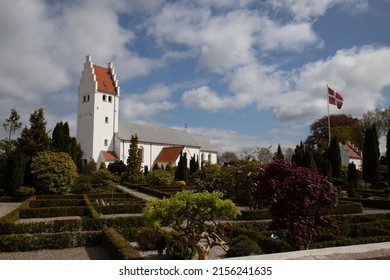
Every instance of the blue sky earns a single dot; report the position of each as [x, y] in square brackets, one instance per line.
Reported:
[244, 73]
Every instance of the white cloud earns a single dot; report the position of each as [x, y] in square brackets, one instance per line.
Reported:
[359, 74]
[305, 9]
[230, 39]
[203, 98]
[288, 37]
[44, 45]
[143, 106]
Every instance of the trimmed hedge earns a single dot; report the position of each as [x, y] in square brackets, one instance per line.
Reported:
[49, 212]
[56, 203]
[27, 242]
[59, 197]
[117, 247]
[346, 207]
[120, 209]
[13, 216]
[91, 210]
[70, 225]
[371, 203]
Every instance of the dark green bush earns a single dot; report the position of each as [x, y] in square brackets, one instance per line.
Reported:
[118, 247]
[242, 245]
[151, 239]
[250, 215]
[176, 250]
[159, 178]
[24, 191]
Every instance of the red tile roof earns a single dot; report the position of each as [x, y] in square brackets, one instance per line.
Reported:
[352, 151]
[169, 154]
[104, 79]
[109, 156]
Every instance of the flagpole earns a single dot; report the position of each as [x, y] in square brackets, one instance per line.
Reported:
[327, 98]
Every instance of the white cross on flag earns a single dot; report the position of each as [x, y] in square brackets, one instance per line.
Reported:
[335, 98]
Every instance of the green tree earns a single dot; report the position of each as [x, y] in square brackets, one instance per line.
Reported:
[192, 218]
[263, 155]
[53, 172]
[159, 177]
[352, 179]
[237, 182]
[134, 162]
[371, 157]
[11, 125]
[379, 117]
[194, 165]
[334, 157]
[297, 197]
[63, 142]
[35, 139]
[61, 137]
[206, 178]
[13, 172]
[228, 157]
[279, 153]
[182, 168]
[76, 153]
[303, 156]
[344, 127]
[117, 167]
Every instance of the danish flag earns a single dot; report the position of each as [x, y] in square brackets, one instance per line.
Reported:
[335, 98]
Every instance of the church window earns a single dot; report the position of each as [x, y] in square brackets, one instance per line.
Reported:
[106, 119]
[87, 97]
[105, 142]
[110, 99]
[104, 97]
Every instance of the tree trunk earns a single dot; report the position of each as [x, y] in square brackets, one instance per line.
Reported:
[203, 255]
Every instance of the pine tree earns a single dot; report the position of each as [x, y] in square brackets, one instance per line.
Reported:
[279, 153]
[182, 169]
[371, 157]
[352, 179]
[334, 157]
[35, 139]
[194, 165]
[61, 137]
[13, 176]
[134, 161]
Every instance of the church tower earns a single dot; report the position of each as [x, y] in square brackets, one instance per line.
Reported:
[97, 111]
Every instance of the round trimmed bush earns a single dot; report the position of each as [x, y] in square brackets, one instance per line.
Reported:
[243, 246]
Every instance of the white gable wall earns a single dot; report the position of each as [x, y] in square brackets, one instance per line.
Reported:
[85, 109]
[97, 119]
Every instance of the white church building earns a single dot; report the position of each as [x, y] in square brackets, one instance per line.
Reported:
[104, 138]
